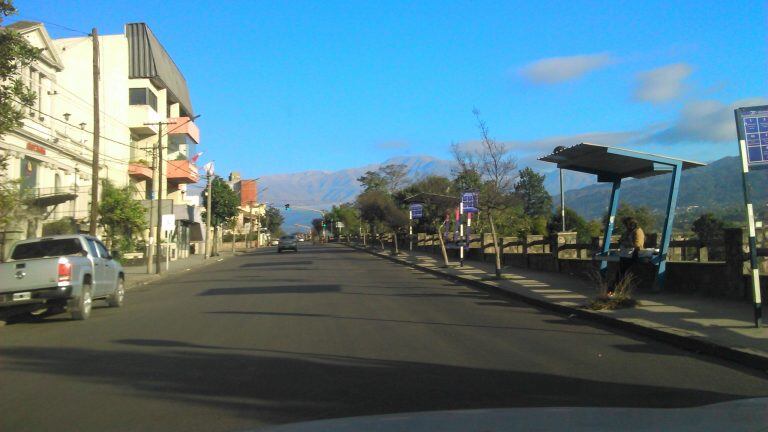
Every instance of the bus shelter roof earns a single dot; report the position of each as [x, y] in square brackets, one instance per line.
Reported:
[613, 163]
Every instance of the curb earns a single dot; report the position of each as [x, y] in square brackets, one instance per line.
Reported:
[743, 358]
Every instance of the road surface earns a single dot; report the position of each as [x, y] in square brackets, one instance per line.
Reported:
[266, 338]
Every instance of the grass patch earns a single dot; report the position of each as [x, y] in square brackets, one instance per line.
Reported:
[622, 294]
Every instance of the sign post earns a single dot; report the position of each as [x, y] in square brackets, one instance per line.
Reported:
[414, 212]
[752, 131]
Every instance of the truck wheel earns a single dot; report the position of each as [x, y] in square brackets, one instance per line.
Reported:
[117, 298]
[80, 308]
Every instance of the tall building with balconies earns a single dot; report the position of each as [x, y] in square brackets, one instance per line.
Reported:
[143, 88]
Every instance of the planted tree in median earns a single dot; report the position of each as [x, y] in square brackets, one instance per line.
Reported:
[494, 164]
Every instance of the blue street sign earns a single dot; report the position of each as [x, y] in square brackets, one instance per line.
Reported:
[417, 211]
[753, 129]
[470, 201]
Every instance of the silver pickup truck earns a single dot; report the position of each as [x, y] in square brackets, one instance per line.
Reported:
[60, 271]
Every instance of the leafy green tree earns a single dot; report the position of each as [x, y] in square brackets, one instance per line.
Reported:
[15, 54]
[122, 217]
[708, 228]
[372, 180]
[347, 214]
[534, 196]
[224, 207]
[273, 221]
[378, 209]
[225, 202]
[574, 222]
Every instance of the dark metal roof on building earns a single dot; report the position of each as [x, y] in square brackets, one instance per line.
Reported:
[148, 59]
[614, 162]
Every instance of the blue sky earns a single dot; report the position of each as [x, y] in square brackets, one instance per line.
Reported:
[291, 86]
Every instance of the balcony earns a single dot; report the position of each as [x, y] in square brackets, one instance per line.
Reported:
[139, 171]
[181, 171]
[138, 115]
[183, 126]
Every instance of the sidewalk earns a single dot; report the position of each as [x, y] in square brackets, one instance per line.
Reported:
[715, 326]
[137, 275]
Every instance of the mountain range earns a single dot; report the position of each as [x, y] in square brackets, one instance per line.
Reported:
[712, 187]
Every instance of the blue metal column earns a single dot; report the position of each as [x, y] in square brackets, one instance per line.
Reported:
[612, 209]
[666, 235]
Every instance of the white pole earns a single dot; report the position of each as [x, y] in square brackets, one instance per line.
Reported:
[410, 230]
[461, 234]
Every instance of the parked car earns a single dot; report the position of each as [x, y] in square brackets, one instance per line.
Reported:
[64, 271]
[288, 242]
[274, 242]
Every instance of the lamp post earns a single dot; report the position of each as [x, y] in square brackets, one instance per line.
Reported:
[562, 192]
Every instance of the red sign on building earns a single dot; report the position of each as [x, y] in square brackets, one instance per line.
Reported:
[36, 148]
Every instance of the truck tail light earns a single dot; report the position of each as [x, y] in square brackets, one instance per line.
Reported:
[65, 271]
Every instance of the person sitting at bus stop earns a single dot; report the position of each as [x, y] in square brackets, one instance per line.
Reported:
[630, 244]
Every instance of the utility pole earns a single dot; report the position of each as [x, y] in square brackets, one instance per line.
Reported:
[150, 246]
[562, 192]
[96, 133]
[159, 254]
[208, 200]
[159, 181]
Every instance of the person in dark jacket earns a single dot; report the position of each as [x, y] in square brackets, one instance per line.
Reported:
[632, 241]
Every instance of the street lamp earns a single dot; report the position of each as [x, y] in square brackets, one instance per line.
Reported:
[562, 192]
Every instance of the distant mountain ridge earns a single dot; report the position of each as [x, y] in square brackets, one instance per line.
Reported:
[712, 187]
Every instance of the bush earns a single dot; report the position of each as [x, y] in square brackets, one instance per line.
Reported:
[65, 225]
[622, 294]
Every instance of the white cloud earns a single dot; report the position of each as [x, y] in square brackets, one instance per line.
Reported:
[560, 69]
[662, 84]
[392, 145]
[704, 121]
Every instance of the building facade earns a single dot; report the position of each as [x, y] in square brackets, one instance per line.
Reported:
[146, 115]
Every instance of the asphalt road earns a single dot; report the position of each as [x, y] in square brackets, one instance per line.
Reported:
[268, 338]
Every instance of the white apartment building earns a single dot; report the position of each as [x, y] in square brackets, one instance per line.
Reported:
[143, 98]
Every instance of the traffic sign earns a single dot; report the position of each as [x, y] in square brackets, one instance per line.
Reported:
[417, 211]
[752, 123]
[470, 201]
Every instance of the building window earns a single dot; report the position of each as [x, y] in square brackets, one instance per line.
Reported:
[142, 96]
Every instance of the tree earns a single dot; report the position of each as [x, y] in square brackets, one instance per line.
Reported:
[574, 222]
[372, 180]
[379, 210]
[347, 214]
[224, 206]
[273, 221]
[121, 216]
[15, 55]
[493, 162]
[394, 176]
[708, 228]
[534, 196]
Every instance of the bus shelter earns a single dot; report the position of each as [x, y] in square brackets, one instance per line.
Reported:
[612, 165]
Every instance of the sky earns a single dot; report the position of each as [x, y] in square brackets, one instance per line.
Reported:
[293, 86]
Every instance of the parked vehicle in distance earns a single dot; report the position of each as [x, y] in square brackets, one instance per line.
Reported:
[274, 242]
[63, 271]
[288, 242]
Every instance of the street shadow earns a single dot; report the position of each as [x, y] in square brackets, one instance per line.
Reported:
[275, 289]
[385, 320]
[279, 387]
[275, 264]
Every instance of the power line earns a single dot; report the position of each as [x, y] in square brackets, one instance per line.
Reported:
[27, 18]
